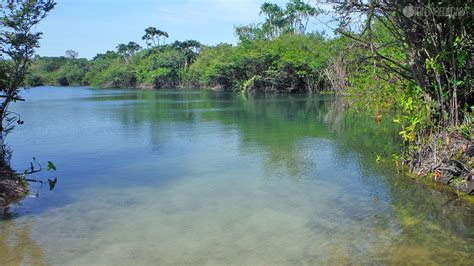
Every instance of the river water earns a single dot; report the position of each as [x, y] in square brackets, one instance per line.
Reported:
[177, 177]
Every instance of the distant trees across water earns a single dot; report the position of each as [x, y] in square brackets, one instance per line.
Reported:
[276, 55]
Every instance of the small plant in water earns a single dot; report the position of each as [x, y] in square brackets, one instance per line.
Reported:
[35, 167]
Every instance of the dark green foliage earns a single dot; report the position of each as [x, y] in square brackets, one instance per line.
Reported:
[128, 50]
[290, 63]
[275, 56]
[113, 70]
[114, 74]
[435, 49]
[152, 36]
[60, 71]
[160, 67]
[293, 18]
[51, 166]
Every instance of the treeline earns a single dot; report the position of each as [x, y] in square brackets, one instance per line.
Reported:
[60, 71]
[278, 55]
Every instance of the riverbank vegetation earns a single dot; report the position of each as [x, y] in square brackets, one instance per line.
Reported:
[417, 61]
[278, 55]
[17, 44]
[405, 59]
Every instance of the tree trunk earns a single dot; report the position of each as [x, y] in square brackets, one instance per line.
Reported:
[2, 141]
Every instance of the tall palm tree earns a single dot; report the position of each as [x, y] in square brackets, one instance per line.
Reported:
[190, 49]
[298, 14]
[152, 36]
[122, 49]
[275, 18]
[149, 36]
[163, 34]
[128, 50]
[133, 47]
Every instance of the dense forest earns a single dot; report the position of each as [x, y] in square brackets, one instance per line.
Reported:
[279, 55]
[396, 58]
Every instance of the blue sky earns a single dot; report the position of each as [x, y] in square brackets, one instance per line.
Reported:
[95, 26]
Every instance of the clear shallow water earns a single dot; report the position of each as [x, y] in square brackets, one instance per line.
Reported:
[202, 177]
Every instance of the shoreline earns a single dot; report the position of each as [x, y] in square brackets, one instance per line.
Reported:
[13, 188]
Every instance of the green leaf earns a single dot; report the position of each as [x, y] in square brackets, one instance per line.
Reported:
[51, 166]
[52, 183]
[378, 158]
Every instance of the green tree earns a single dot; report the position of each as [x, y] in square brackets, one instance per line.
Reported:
[132, 48]
[298, 14]
[190, 48]
[149, 37]
[275, 22]
[250, 33]
[122, 49]
[163, 34]
[425, 56]
[159, 67]
[17, 45]
[293, 18]
[152, 36]
[71, 54]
